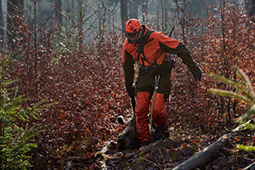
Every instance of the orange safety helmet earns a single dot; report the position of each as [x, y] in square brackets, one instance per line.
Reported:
[133, 27]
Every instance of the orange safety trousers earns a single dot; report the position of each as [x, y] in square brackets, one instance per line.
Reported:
[159, 115]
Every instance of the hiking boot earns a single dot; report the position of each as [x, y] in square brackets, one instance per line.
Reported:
[161, 132]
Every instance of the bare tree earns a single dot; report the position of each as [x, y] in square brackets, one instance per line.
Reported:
[72, 4]
[1, 26]
[145, 10]
[181, 13]
[124, 13]
[102, 11]
[15, 8]
[58, 9]
[133, 9]
[86, 19]
[250, 5]
[68, 12]
[164, 11]
[81, 22]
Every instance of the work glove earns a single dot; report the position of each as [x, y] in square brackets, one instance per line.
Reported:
[197, 75]
[131, 92]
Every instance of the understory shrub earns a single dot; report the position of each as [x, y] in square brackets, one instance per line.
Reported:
[16, 131]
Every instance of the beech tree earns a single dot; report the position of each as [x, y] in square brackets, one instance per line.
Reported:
[15, 8]
[58, 9]
[1, 25]
[124, 14]
[145, 10]
[133, 9]
[250, 5]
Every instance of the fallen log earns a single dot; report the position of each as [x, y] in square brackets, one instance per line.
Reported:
[250, 167]
[210, 152]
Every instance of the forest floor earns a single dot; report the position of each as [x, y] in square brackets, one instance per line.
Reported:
[167, 154]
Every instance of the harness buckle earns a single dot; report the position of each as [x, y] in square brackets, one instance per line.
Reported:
[157, 77]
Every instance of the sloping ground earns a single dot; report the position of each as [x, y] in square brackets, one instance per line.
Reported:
[159, 155]
[167, 154]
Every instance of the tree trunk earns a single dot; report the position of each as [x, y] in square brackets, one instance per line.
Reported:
[124, 14]
[158, 18]
[68, 11]
[102, 9]
[58, 9]
[99, 19]
[14, 8]
[166, 16]
[250, 167]
[133, 9]
[72, 6]
[204, 156]
[210, 152]
[250, 6]
[1, 27]
[162, 14]
[145, 10]
[81, 22]
[35, 38]
[181, 16]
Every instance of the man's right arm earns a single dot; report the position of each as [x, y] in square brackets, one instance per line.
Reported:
[128, 67]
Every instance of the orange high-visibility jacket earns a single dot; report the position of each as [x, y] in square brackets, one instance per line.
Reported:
[154, 52]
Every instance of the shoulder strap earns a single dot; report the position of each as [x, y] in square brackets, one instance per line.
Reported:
[147, 35]
[141, 46]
